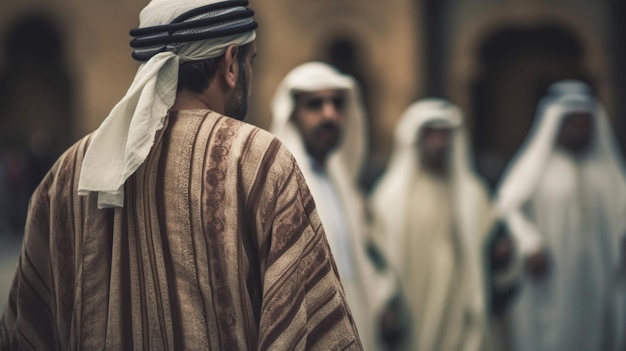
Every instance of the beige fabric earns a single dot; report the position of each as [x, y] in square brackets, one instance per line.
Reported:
[433, 259]
[434, 232]
[369, 293]
[219, 248]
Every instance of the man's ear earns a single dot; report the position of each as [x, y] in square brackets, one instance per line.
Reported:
[230, 66]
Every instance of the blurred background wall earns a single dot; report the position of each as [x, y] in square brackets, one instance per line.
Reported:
[65, 63]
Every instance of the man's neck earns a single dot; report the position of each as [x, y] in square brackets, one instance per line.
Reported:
[189, 100]
[317, 163]
[574, 155]
[435, 170]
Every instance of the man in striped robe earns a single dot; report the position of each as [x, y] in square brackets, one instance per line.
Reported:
[173, 226]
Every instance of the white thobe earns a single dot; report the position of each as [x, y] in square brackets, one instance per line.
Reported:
[343, 244]
[567, 311]
[435, 271]
[335, 223]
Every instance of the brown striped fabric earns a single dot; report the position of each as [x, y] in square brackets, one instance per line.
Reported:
[218, 247]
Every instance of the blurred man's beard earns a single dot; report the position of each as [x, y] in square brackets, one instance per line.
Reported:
[327, 134]
[438, 161]
[580, 146]
[238, 106]
[324, 139]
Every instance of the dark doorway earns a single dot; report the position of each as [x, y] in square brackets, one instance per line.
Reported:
[36, 111]
[433, 24]
[617, 37]
[516, 67]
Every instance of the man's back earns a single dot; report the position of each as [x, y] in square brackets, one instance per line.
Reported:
[218, 246]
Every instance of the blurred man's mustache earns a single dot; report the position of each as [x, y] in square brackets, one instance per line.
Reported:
[327, 126]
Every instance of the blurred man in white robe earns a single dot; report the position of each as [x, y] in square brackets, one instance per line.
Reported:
[317, 114]
[434, 215]
[564, 199]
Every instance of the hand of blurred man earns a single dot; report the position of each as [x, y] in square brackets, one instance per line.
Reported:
[537, 265]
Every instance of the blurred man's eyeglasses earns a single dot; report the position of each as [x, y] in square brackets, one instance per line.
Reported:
[317, 103]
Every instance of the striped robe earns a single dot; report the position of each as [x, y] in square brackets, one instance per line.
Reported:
[219, 246]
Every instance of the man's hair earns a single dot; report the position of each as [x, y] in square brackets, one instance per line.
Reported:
[196, 75]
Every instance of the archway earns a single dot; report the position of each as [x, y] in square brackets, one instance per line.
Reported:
[36, 111]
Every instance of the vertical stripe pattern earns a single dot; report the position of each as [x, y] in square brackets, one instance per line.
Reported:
[218, 246]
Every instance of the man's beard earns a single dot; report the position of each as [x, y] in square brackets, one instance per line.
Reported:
[238, 106]
[328, 136]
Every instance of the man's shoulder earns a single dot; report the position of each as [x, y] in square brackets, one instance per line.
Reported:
[262, 138]
[63, 173]
[235, 128]
[74, 153]
[253, 138]
[263, 152]
[262, 143]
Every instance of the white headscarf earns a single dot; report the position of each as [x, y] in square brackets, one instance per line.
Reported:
[390, 193]
[316, 76]
[124, 139]
[525, 171]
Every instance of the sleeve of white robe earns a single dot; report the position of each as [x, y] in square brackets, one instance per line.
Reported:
[525, 233]
[385, 285]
